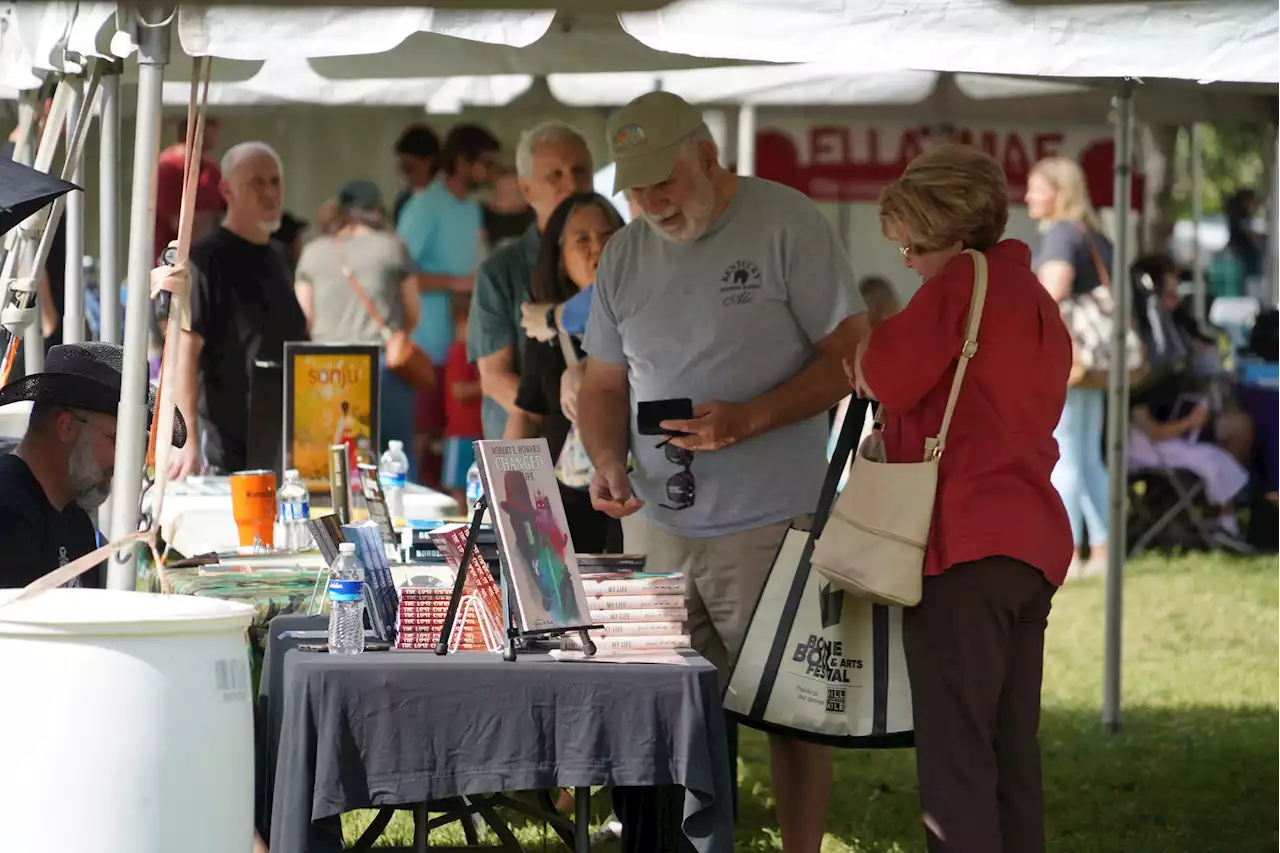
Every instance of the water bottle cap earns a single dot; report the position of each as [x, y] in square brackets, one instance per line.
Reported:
[346, 548]
[395, 444]
[292, 474]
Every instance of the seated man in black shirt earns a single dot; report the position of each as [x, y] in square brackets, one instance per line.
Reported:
[243, 309]
[61, 471]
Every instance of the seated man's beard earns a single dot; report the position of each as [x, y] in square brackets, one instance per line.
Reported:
[92, 484]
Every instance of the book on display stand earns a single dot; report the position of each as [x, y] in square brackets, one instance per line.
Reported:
[535, 554]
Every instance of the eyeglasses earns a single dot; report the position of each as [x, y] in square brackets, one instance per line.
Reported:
[110, 436]
[682, 488]
[906, 252]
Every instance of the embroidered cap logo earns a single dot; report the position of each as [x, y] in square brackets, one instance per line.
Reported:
[628, 137]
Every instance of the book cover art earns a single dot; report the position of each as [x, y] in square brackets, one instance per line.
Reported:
[533, 534]
[331, 396]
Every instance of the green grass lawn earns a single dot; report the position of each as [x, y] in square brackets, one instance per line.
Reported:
[1194, 769]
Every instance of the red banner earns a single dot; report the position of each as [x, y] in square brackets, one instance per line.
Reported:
[853, 162]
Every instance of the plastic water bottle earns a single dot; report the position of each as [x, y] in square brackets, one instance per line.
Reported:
[475, 489]
[295, 510]
[393, 468]
[346, 600]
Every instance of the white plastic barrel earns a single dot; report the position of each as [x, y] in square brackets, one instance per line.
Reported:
[127, 724]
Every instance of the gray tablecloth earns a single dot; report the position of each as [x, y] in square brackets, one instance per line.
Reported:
[395, 728]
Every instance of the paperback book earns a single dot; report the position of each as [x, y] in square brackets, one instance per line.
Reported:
[533, 534]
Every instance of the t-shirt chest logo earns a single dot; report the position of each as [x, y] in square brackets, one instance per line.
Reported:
[739, 283]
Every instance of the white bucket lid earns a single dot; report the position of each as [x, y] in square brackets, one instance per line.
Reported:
[78, 611]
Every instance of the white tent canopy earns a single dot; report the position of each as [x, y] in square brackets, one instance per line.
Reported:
[285, 81]
[1206, 40]
[273, 33]
[570, 43]
[943, 95]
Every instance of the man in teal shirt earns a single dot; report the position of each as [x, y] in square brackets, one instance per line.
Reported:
[552, 162]
[442, 226]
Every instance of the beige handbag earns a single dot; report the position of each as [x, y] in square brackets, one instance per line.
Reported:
[873, 545]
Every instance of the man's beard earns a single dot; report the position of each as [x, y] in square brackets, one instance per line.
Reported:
[696, 212]
[91, 483]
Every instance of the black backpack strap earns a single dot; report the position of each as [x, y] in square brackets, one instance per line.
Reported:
[850, 431]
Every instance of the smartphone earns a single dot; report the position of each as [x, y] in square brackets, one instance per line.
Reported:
[649, 415]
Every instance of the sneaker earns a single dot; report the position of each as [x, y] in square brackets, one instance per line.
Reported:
[611, 830]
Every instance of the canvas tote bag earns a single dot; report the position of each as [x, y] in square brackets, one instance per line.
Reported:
[873, 545]
[818, 664]
[573, 466]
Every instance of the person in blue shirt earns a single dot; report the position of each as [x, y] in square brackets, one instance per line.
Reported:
[442, 229]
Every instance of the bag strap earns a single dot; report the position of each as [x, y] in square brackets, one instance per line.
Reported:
[359, 290]
[1104, 276]
[850, 430]
[566, 347]
[933, 447]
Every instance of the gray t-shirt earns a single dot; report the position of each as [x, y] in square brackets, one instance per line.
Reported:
[730, 317]
[380, 264]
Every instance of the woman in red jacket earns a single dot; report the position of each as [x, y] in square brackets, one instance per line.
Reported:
[1000, 542]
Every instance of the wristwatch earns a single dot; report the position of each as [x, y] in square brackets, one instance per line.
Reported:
[551, 319]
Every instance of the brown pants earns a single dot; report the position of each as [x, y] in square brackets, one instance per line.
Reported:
[975, 653]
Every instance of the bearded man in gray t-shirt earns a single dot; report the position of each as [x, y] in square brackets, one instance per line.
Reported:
[735, 293]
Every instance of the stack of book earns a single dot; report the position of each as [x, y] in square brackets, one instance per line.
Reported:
[478, 624]
[422, 615]
[420, 546]
[640, 611]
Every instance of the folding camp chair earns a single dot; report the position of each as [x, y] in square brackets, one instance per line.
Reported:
[1166, 510]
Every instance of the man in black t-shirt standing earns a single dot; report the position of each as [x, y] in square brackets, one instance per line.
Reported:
[61, 471]
[242, 309]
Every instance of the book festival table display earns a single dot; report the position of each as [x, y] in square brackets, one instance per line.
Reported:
[513, 666]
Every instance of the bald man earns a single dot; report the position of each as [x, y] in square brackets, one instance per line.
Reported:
[242, 308]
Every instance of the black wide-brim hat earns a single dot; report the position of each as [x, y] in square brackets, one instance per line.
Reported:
[87, 377]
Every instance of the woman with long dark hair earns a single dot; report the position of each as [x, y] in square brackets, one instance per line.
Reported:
[572, 243]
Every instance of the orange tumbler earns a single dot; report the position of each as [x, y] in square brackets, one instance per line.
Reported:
[253, 503]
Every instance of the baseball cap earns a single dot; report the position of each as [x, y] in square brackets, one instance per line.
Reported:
[644, 137]
[363, 195]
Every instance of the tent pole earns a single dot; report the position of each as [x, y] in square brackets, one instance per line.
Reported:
[1198, 296]
[1118, 409]
[132, 421]
[109, 205]
[747, 139]
[109, 223]
[73, 282]
[1273, 227]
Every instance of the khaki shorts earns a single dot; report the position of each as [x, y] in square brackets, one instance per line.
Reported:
[724, 577]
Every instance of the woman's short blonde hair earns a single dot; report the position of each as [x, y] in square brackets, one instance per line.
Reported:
[955, 193]
[1071, 194]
